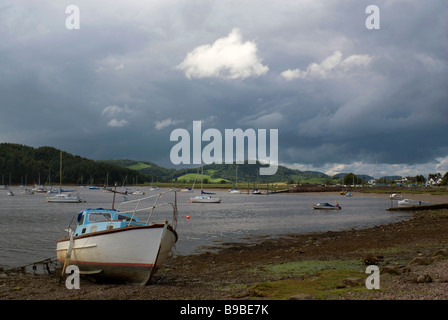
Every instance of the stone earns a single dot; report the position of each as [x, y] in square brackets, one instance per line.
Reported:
[424, 278]
[302, 296]
[372, 259]
[441, 252]
[395, 270]
[420, 261]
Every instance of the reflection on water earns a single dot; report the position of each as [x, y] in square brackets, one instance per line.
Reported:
[30, 227]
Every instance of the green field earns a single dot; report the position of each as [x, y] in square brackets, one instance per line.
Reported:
[191, 177]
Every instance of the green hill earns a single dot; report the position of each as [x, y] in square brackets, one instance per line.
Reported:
[27, 164]
[21, 164]
[222, 173]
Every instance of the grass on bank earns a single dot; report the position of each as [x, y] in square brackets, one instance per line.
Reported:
[318, 279]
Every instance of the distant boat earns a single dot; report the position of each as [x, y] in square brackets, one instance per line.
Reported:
[395, 196]
[349, 194]
[10, 193]
[326, 206]
[234, 190]
[255, 191]
[115, 244]
[64, 198]
[187, 190]
[39, 189]
[205, 199]
[407, 202]
[27, 191]
[138, 193]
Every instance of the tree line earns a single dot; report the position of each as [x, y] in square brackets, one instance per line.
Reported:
[21, 164]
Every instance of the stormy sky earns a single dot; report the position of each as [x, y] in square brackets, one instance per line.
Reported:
[344, 98]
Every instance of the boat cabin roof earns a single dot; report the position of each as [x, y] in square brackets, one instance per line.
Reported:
[103, 215]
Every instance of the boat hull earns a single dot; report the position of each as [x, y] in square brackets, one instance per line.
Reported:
[319, 207]
[210, 200]
[64, 200]
[108, 253]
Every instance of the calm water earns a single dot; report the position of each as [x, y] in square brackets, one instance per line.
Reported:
[30, 227]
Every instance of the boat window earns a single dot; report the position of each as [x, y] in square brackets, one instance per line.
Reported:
[110, 227]
[125, 218]
[99, 216]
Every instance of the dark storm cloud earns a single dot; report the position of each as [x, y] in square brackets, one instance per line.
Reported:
[133, 72]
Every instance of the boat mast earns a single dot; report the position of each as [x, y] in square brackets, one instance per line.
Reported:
[60, 171]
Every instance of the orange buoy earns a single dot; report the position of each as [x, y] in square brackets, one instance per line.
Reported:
[188, 217]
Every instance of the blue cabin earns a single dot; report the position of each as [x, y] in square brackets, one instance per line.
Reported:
[95, 220]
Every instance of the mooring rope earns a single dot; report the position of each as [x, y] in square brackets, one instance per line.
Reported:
[167, 267]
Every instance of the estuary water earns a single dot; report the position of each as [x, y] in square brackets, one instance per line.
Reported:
[30, 227]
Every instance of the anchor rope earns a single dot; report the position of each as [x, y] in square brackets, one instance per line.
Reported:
[167, 267]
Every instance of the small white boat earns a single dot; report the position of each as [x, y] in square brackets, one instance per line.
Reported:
[235, 191]
[395, 196]
[27, 191]
[186, 190]
[64, 198]
[205, 199]
[39, 189]
[117, 245]
[255, 191]
[326, 206]
[138, 193]
[10, 193]
[407, 202]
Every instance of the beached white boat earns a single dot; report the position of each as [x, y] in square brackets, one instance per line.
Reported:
[235, 191]
[326, 206]
[255, 191]
[115, 244]
[64, 198]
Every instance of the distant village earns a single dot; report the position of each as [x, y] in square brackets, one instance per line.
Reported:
[433, 180]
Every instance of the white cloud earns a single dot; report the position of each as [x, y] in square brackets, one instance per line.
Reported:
[271, 120]
[114, 110]
[332, 66]
[117, 123]
[227, 57]
[159, 125]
